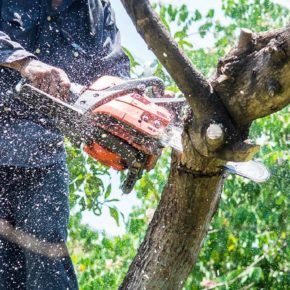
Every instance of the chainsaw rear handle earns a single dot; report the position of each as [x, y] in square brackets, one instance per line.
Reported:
[138, 85]
[128, 86]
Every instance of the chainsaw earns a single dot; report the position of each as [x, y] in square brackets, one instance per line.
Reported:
[117, 122]
[123, 124]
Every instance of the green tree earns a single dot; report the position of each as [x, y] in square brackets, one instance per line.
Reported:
[247, 241]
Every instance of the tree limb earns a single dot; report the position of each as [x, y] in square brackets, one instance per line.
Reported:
[253, 79]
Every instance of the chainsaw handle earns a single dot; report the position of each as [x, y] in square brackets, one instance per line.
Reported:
[139, 85]
[130, 85]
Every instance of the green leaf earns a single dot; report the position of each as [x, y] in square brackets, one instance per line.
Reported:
[180, 34]
[183, 13]
[257, 274]
[197, 16]
[166, 24]
[133, 62]
[108, 191]
[210, 13]
[115, 215]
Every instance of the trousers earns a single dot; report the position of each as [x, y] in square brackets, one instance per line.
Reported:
[34, 212]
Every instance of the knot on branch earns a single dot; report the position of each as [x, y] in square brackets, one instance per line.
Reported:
[216, 143]
[277, 50]
[227, 67]
[215, 136]
[274, 87]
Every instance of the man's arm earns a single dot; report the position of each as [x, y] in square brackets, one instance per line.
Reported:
[50, 79]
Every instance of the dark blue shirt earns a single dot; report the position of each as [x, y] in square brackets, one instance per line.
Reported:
[81, 37]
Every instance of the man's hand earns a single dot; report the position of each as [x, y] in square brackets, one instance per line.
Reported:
[52, 80]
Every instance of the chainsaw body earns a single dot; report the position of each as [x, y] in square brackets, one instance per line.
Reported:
[117, 123]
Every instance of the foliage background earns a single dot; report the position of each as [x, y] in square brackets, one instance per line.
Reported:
[247, 245]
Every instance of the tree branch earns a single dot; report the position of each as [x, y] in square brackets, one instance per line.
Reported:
[253, 79]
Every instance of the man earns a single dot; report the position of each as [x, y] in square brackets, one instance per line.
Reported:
[50, 43]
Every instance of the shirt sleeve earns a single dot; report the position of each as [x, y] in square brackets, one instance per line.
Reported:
[11, 51]
[113, 60]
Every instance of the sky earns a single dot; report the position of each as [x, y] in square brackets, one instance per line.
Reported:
[132, 41]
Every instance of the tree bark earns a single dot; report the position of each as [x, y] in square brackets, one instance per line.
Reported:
[251, 82]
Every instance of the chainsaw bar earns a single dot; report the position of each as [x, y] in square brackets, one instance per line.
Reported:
[80, 127]
[252, 170]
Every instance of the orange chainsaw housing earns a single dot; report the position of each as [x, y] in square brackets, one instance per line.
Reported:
[104, 156]
[131, 115]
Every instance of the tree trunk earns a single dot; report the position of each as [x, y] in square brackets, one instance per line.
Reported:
[251, 82]
[181, 221]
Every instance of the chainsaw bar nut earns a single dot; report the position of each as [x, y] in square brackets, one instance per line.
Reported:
[145, 118]
[157, 124]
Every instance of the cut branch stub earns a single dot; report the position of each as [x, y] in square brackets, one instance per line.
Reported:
[245, 40]
[215, 136]
[207, 137]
